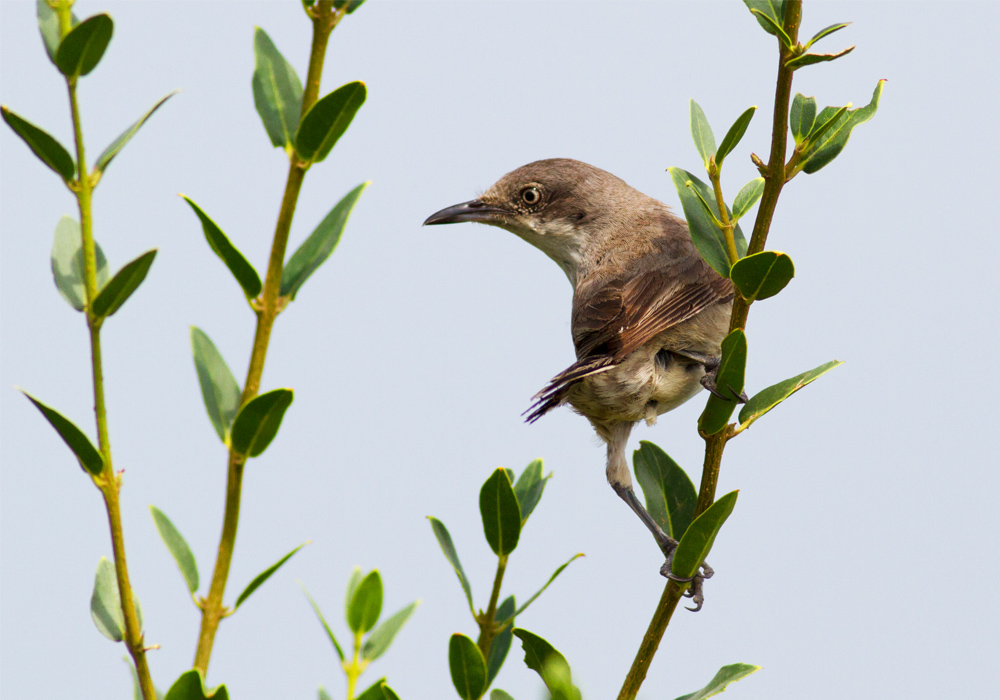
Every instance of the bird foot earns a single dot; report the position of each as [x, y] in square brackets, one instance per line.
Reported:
[696, 590]
[708, 381]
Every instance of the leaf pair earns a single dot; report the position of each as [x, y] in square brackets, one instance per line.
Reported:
[79, 52]
[819, 138]
[471, 672]
[247, 430]
[277, 93]
[304, 261]
[701, 211]
[704, 139]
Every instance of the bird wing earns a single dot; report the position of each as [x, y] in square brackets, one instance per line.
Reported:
[614, 317]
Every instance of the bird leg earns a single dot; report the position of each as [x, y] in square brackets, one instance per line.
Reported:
[711, 365]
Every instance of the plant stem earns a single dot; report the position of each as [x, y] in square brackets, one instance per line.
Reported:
[267, 306]
[727, 227]
[488, 621]
[108, 482]
[774, 180]
[354, 670]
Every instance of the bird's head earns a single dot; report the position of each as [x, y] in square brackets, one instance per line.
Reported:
[557, 205]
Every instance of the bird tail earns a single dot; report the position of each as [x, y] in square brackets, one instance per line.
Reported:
[558, 388]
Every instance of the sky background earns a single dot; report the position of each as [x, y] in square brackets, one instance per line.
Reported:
[861, 558]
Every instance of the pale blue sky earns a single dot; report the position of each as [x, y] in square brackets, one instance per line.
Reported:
[861, 558]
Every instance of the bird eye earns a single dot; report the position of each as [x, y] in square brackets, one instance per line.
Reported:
[531, 195]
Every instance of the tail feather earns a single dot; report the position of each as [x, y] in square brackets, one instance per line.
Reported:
[558, 388]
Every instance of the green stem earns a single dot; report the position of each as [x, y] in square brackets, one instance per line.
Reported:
[267, 306]
[487, 622]
[774, 180]
[108, 482]
[727, 226]
[354, 669]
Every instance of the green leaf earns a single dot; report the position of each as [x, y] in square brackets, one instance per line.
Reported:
[48, 150]
[352, 585]
[191, 686]
[323, 695]
[501, 513]
[729, 380]
[802, 116]
[105, 603]
[381, 637]
[551, 579]
[762, 275]
[277, 91]
[264, 576]
[376, 691]
[90, 459]
[122, 285]
[725, 676]
[708, 238]
[67, 263]
[497, 694]
[119, 143]
[366, 604]
[826, 31]
[501, 643]
[351, 5]
[468, 667]
[542, 658]
[178, 548]
[389, 693]
[529, 488]
[219, 389]
[828, 143]
[258, 421]
[319, 245]
[451, 554]
[326, 627]
[747, 197]
[761, 403]
[734, 135]
[698, 540]
[242, 270]
[770, 15]
[808, 59]
[670, 496]
[327, 120]
[48, 24]
[81, 50]
[701, 133]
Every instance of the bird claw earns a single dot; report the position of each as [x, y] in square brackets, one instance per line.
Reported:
[708, 381]
[696, 590]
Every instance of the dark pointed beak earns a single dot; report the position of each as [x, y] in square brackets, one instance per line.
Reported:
[473, 210]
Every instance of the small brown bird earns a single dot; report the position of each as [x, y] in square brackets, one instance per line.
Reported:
[649, 314]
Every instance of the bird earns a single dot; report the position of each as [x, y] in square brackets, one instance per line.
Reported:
[648, 313]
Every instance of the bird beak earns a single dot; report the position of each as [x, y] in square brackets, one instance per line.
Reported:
[473, 210]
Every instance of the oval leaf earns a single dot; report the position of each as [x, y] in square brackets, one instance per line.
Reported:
[497, 694]
[242, 270]
[699, 538]
[451, 554]
[219, 389]
[258, 421]
[68, 265]
[191, 686]
[319, 245]
[747, 197]
[264, 576]
[762, 275]
[178, 548]
[376, 691]
[48, 150]
[326, 122]
[701, 133]
[381, 637]
[529, 488]
[277, 91]
[501, 643]
[729, 381]
[542, 658]
[770, 397]
[119, 143]
[501, 513]
[670, 496]
[725, 676]
[708, 238]
[734, 135]
[82, 49]
[121, 286]
[366, 604]
[90, 459]
[48, 24]
[802, 116]
[105, 602]
[468, 667]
